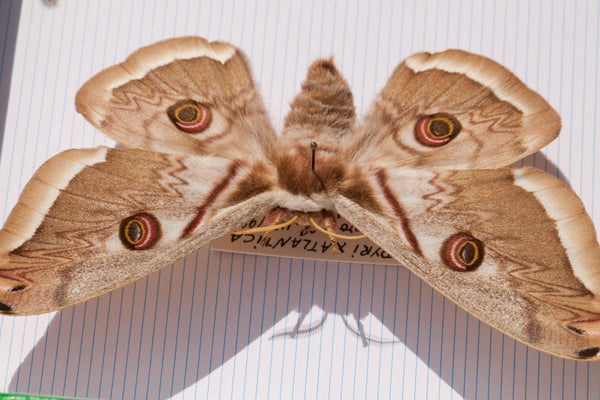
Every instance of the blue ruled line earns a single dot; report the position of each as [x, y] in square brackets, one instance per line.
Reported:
[300, 319]
[346, 329]
[406, 331]
[287, 312]
[312, 296]
[419, 302]
[381, 328]
[274, 322]
[226, 317]
[164, 345]
[395, 311]
[262, 330]
[358, 328]
[137, 368]
[249, 328]
[442, 348]
[176, 346]
[337, 281]
[202, 321]
[430, 290]
[214, 323]
[370, 330]
[323, 309]
[239, 311]
[191, 314]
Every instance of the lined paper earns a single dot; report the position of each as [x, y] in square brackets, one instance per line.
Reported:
[223, 325]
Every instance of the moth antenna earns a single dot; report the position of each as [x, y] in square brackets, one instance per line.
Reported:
[334, 245]
[269, 228]
[277, 214]
[263, 241]
[330, 225]
[332, 235]
[337, 235]
[313, 146]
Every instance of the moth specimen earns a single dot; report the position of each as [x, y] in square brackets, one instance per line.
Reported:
[422, 175]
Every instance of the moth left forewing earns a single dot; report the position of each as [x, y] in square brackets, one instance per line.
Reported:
[513, 247]
[93, 220]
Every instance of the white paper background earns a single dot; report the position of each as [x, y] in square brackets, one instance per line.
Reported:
[234, 326]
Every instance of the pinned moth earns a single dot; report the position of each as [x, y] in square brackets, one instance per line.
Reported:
[422, 176]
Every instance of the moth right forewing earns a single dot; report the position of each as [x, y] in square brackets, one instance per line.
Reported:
[454, 109]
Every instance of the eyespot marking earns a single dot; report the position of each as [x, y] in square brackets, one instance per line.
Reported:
[189, 116]
[437, 129]
[463, 252]
[140, 231]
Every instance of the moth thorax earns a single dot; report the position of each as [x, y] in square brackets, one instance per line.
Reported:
[310, 169]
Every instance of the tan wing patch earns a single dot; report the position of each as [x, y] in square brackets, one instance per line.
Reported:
[42, 191]
[144, 60]
[574, 226]
[502, 82]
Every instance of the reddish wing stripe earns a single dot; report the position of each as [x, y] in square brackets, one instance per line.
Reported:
[399, 211]
[212, 196]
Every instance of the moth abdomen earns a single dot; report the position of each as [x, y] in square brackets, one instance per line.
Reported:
[325, 102]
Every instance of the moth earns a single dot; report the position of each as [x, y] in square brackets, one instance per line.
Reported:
[422, 175]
